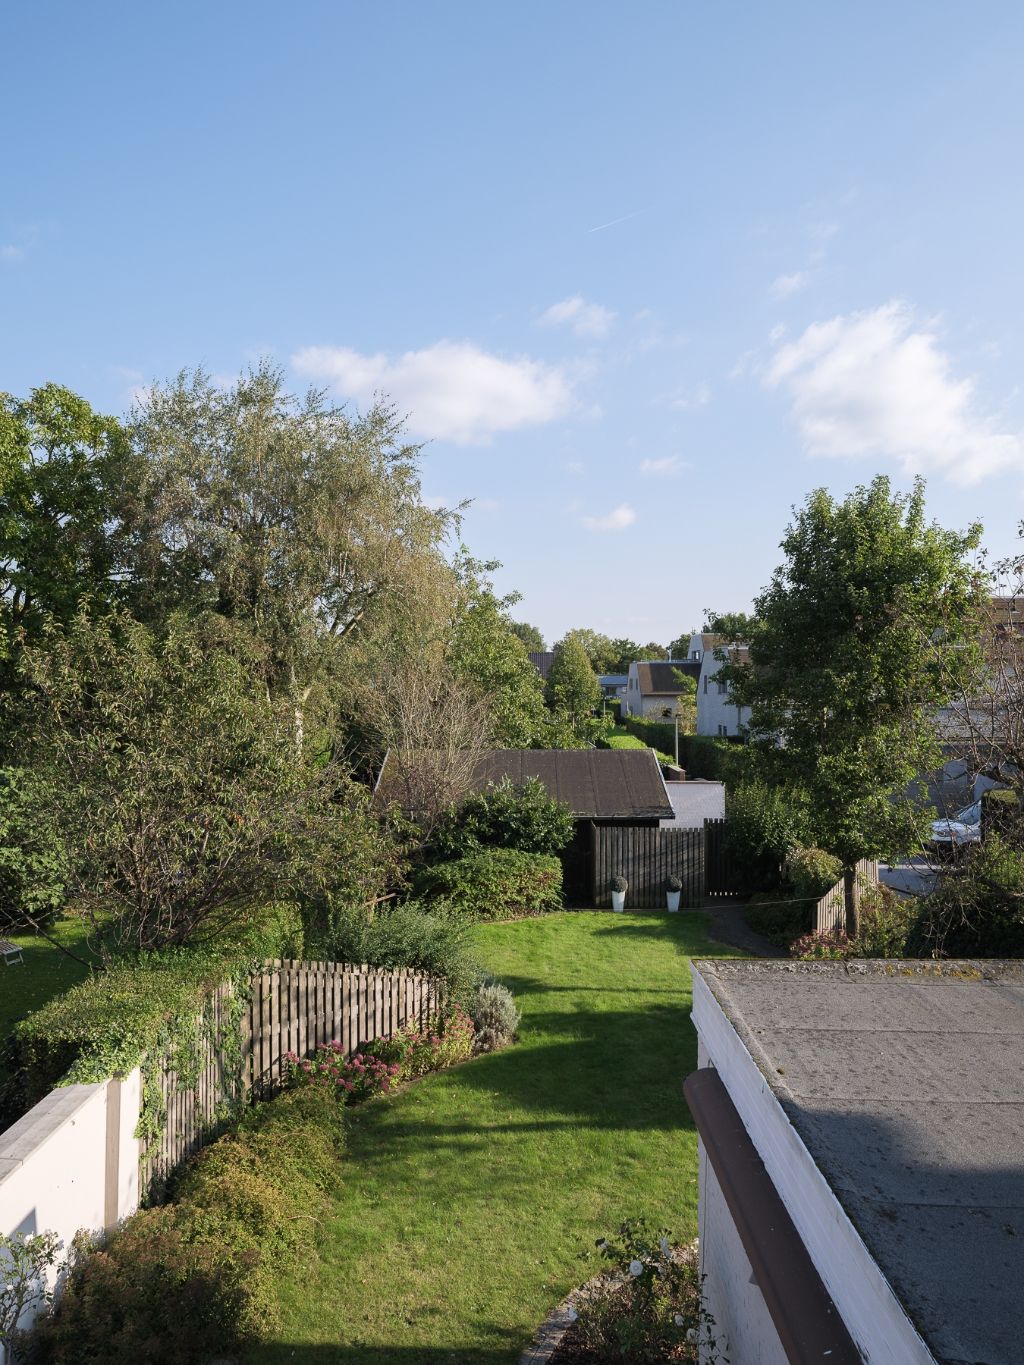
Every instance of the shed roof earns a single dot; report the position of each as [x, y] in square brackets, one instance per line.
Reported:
[659, 679]
[542, 659]
[596, 784]
[904, 1081]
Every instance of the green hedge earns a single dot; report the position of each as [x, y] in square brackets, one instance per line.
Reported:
[137, 1007]
[496, 883]
[195, 1280]
[612, 741]
[656, 734]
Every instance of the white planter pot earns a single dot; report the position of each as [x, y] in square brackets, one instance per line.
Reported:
[672, 898]
[618, 900]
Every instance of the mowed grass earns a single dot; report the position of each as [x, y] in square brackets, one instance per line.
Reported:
[471, 1201]
[44, 973]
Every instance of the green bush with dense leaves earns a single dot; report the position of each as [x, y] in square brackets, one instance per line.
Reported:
[429, 939]
[764, 823]
[505, 815]
[496, 883]
[139, 1006]
[811, 871]
[31, 870]
[193, 1282]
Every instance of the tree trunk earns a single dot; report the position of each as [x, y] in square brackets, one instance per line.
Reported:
[851, 898]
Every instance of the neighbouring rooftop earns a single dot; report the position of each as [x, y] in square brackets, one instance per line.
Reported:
[905, 1081]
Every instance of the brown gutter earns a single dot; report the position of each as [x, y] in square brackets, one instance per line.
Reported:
[807, 1321]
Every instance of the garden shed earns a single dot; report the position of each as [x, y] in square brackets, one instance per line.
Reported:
[602, 787]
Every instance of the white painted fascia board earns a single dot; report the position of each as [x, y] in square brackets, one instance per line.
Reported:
[876, 1319]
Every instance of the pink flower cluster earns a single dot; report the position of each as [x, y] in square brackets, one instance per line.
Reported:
[355, 1078]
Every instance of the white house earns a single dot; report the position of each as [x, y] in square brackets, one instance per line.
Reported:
[717, 714]
[860, 1159]
[652, 688]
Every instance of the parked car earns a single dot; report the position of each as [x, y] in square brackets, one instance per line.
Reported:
[949, 836]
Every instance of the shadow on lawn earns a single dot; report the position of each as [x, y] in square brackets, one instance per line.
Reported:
[619, 1070]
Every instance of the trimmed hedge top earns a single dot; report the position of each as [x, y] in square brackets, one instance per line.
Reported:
[108, 1023]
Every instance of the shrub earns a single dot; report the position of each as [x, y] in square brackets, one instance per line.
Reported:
[154, 1291]
[811, 871]
[620, 884]
[886, 923]
[194, 1281]
[829, 945]
[496, 883]
[31, 873]
[505, 816]
[28, 1260]
[434, 941]
[764, 823]
[651, 1308]
[674, 883]
[385, 1062]
[495, 1016]
[978, 908]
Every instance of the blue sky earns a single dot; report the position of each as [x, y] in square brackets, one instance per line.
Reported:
[642, 275]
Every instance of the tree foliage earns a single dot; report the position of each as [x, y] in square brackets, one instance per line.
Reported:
[871, 613]
[294, 521]
[533, 640]
[67, 480]
[174, 792]
[572, 691]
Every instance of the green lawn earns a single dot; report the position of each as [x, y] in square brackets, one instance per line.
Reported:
[45, 972]
[469, 1199]
[620, 738]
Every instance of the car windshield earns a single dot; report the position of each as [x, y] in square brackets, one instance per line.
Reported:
[970, 815]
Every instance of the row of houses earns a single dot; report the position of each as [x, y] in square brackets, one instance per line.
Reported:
[652, 689]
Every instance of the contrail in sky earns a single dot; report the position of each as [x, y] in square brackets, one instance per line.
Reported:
[624, 219]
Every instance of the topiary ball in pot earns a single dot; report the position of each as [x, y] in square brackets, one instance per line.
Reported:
[620, 884]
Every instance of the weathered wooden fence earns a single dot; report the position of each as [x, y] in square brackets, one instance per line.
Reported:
[719, 875]
[647, 858]
[830, 911]
[241, 1044]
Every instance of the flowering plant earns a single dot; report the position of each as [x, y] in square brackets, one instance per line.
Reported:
[651, 1307]
[353, 1078]
[375, 1068]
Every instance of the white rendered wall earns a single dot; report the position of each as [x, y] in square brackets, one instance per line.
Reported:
[743, 1329]
[72, 1162]
[715, 709]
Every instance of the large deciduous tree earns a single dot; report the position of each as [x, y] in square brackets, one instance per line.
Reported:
[856, 641]
[571, 690]
[298, 523]
[533, 640]
[67, 480]
[171, 791]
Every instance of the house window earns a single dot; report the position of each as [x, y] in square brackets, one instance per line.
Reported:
[723, 687]
[706, 681]
[723, 730]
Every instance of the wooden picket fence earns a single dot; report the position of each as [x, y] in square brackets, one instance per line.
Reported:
[293, 1007]
[830, 911]
[647, 858]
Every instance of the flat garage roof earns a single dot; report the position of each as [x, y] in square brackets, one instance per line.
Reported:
[905, 1081]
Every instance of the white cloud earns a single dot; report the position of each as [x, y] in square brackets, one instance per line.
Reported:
[10, 252]
[585, 319]
[576, 467]
[667, 467]
[875, 384]
[699, 397]
[785, 285]
[452, 390]
[616, 520]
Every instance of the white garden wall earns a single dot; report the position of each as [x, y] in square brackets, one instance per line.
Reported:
[72, 1162]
